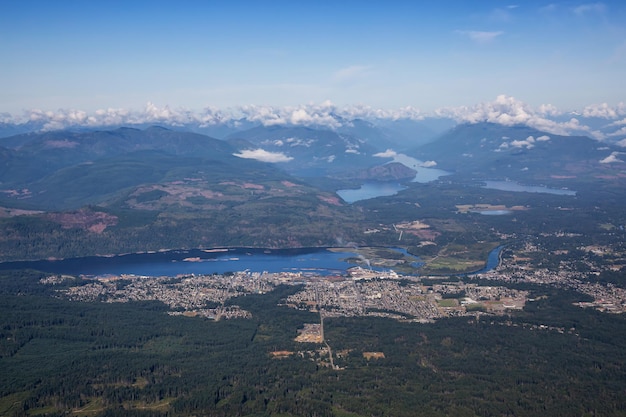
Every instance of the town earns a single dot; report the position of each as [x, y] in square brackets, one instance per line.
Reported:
[359, 292]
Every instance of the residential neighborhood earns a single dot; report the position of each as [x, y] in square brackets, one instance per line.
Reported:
[358, 292]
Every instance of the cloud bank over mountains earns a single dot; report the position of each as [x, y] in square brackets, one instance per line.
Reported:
[600, 121]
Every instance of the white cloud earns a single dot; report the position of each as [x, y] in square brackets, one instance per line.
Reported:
[605, 111]
[622, 143]
[620, 132]
[266, 115]
[306, 115]
[300, 142]
[509, 111]
[316, 116]
[107, 117]
[589, 8]
[503, 110]
[110, 117]
[548, 110]
[366, 112]
[389, 153]
[480, 36]
[618, 123]
[528, 143]
[611, 158]
[325, 114]
[429, 164]
[263, 155]
[300, 116]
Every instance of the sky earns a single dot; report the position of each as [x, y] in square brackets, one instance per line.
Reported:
[91, 55]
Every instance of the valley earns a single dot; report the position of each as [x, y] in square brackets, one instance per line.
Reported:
[312, 209]
[443, 293]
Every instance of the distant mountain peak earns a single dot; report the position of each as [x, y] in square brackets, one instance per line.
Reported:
[521, 152]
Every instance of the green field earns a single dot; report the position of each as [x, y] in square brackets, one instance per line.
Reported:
[450, 302]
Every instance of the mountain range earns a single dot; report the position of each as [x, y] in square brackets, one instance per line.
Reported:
[487, 150]
[64, 170]
[67, 193]
[61, 170]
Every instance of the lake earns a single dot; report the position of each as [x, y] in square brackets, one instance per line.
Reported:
[318, 261]
[373, 189]
[424, 174]
[492, 212]
[513, 186]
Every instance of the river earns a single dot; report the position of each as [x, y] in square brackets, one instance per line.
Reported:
[515, 187]
[311, 261]
[493, 260]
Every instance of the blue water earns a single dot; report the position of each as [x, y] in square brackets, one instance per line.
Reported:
[513, 186]
[373, 189]
[492, 260]
[310, 261]
[416, 263]
[492, 212]
[314, 260]
[370, 190]
[424, 174]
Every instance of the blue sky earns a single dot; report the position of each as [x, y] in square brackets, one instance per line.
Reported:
[93, 55]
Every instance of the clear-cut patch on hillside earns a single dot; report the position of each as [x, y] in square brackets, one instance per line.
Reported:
[93, 221]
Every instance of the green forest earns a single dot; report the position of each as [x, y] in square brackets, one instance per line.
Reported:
[61, 358]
